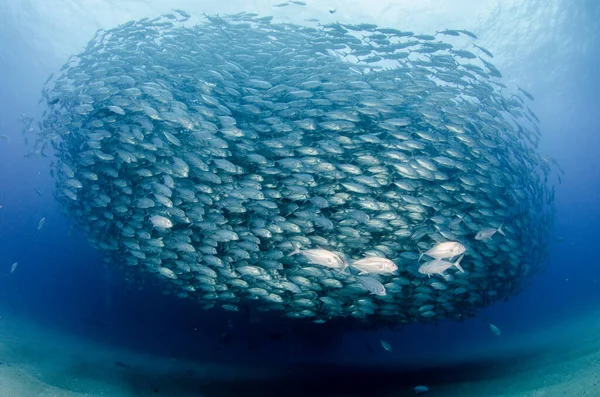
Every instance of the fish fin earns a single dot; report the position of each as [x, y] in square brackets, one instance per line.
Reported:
[346, 265]
[457, 264]
[500, 229]
[295, 251]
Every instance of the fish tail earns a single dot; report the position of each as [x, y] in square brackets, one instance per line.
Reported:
[457, 264]
[500, 229]
[295, 251]
[344, 267]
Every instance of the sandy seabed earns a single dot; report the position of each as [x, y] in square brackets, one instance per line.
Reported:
[563, 360]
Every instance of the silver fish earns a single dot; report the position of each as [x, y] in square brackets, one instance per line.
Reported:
[386, 346]
[488, 232]
[372, 285]
[439, 266]
[448, 249]
[161, 221]
[374, 265]
[322, 257]
[495, 329]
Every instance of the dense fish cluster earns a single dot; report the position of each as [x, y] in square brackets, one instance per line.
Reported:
[326, 172]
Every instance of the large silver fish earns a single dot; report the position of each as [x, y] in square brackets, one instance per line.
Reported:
[322, 257]
[439, 266]
[448, 249]
[375, 265]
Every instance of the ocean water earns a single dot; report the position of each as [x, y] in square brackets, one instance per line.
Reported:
[72, 324]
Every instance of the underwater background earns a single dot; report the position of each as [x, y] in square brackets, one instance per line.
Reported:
[62, 299]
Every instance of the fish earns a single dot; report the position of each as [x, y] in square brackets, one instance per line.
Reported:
[166, 272]
[41, 223]
[374, 265]
[467, 33]
[13, 267]
[449, 32]
[161, 221]
[372, 285]
[439, 266]
[495, 329]
[322, 257]
[386, 346]
[351, 140]
[488, 232]
[421, 389]
[486, 52]
[448, 249]
[528, 95]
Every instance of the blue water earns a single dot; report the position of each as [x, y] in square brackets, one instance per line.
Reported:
[550, 48]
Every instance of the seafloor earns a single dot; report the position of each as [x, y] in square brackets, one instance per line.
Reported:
[562, 360]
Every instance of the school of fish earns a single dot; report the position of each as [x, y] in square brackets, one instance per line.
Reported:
[327, 172]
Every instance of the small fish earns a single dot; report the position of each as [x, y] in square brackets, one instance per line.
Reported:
[182, 13]
[161, 222]
[332, 10]
[455, 222]
[41, 223]
[528, 95]
[448, 32]
[488, 232]
[486, 52]
[439, 266]
[372, 285]
[13, 267]
[467, 33]
[421, 389]
[5, 138]
[322, 257]
[385, 345]
[38, 192]
[449, 249]
[375, 265]
[166, 272]
[495, 329]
